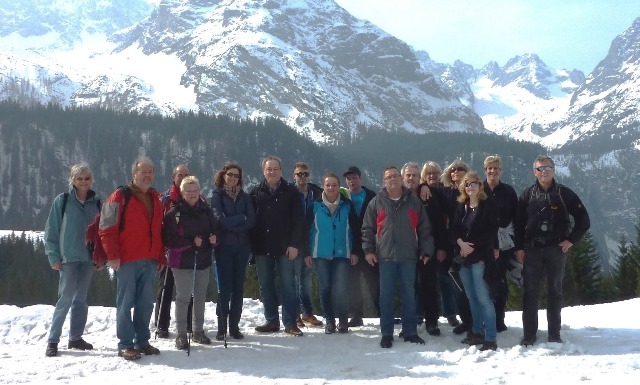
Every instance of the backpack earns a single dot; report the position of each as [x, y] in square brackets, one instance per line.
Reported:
[92, 235]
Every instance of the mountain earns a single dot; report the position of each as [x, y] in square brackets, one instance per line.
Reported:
[309, 63]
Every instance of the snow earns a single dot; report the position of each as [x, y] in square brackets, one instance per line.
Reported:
[601, 345]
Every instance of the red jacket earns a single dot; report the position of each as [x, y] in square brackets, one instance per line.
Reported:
[141, 237]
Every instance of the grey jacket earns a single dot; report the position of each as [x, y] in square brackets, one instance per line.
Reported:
[396, 230]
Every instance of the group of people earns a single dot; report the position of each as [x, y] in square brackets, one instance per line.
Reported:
[446, 239]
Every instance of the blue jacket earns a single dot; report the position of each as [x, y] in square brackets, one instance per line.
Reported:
[64, 237]
[235, 218]
[331, 236]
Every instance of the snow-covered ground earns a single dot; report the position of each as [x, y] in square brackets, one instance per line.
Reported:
[601, 346]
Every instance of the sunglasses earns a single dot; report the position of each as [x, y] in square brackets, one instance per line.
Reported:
[472, 184]
[459, 169]
[302, 174]
[233, 175]
[544, 168]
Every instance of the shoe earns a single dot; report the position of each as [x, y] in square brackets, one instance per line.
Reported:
[182, 342]
[386, 342]
[414, 339]
[556, 339]
[235, 333]
[397, 321]
[474, 339]
[293, 330]
[148, 350]
[80, 345]
[461, 328]
[343, 326]
[162, 333]
[330, 327]
[201, 338]
[268, 327]
[220, 336]
[129, 354]
[501, 327]
[355, 322]
[300, 322]
[453, 321]
[528, 341]
[311, 319]
[433, 330]
[52, 350]
[488, 345]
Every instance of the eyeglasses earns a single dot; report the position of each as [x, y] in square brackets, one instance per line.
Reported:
[302, 174]
[80, 178]
[459, 169]
[544, 168]
[233, 175]
[472, 184]
[393, 176]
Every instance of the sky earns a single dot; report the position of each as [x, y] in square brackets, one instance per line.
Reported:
[570, 34]
[601, 346]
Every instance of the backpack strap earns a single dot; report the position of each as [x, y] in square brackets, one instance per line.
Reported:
[65, 199]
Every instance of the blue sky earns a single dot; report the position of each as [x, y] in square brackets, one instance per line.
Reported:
[564, 33]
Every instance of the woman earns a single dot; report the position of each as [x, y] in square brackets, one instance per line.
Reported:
[64, 233]
[330, 244]
[189, 234]
[234, 210]
[474, 228]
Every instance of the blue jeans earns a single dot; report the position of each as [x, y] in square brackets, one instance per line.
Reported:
[333, 279]
[402, 273]
[75, 279]
[134, 290]
[266, 266]
[483, 312]
[231, 268]
[304, 275]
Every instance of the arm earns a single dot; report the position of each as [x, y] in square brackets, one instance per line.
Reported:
[52, 233]
[369, 228]
[425, 237]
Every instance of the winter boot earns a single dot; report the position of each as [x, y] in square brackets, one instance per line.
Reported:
[222, 328]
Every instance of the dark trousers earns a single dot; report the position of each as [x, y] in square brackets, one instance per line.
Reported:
[231, 267]
[427, 303]
[539, 262]
[502, 286]
[371, 276]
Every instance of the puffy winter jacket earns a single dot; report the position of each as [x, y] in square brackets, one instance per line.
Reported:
[141, 237]
[236, 218]
[331, 236]
[396, 230]
[64, 236]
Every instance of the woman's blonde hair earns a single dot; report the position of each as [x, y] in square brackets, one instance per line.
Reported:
[445, 178]
[473, 177]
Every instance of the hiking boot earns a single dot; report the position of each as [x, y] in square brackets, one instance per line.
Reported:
[220, 336]
[453, 321]
[148, 350]
[201, 338]
[80, 344]
[162, 333]
[433, 330]
[343, 326]
[474, 339]
[501, 327]
[488, 345]
[268, 327]
[129, 354]
[52, 350]
[182, 342]
[386, 342]
[556, 339]
[299, 322]
[414, 339]
[461, 328]
[330, 327]
[528, 341]
[355, 322]
[235, 333]
[311, 319]
[293, 330]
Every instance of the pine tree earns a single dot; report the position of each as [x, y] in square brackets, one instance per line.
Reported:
[625, 273]
[585, 271]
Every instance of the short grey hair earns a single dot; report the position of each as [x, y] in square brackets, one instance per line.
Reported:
[543, 158]
[140, 160]
[77, 170]
[410, 165]
[189, 180]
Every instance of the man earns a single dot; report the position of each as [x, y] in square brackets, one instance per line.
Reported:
[506, 200]
[275, 241]
[361, 196]
[395, 234]
[543, 236]
[165, 289]
[427, 272]
[134, 249]
[304, 274]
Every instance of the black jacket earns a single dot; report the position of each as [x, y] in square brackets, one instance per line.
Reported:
[369, 195]
[481, 233]
[236, 217]
[279, 219]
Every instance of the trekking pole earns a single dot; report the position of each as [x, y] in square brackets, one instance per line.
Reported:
[226, 316]
[163, 291]
[193, 289]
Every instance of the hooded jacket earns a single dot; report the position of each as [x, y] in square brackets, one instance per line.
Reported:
[331, 235]
[236, 218]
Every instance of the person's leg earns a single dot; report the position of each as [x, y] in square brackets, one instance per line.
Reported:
[66, 289]
[125, 300]
[555, 261]
[224, 264]
[483, 296]
[339, 287]
[286, 271]
[182, 279]
[265, 267]
[164, 298]
[407, 276]
[304, 276]
[355, 289]
[372, 281]
[388, 275]
[79, 306]
[532, 272]
[143, 308]
[500, 298]
[466, 275]
[446, 292]
[199, 298]
[324, 269]
[240, 259]
[429, 288]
